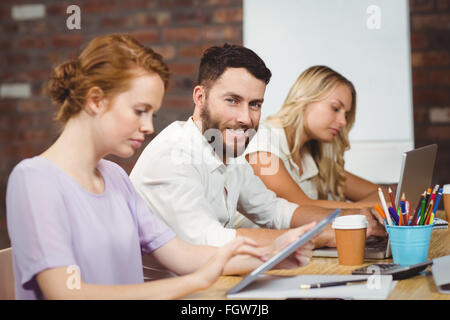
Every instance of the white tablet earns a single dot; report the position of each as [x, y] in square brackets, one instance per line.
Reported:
[288, 250]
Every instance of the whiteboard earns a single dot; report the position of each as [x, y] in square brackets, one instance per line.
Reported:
[367, 41]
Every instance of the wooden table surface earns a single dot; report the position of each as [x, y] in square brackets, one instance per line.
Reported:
[418, 287]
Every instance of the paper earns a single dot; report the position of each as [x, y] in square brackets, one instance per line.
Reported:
[441, 274]
[273, 287]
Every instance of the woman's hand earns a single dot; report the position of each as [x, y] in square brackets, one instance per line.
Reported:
[208, 273]
[300, 257]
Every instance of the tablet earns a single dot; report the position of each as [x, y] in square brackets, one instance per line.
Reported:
[288, 250]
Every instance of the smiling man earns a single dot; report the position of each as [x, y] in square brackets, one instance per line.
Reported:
[191, 173]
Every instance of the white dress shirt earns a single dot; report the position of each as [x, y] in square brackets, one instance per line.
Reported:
[181, 178]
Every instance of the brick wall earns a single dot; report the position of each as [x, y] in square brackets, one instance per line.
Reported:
[34, 37]
[430, 59]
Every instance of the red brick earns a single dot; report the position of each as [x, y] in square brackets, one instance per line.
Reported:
[114, 22]
[440, 77]
[98, 6]
[419, 77]
[193, 50]
[14, 59]
[168, 51]
[418, 41]
[443, 5]
[222, 33]
[430, 21]
[191, 34]
[34, 135]
[57, 9]
[136, 4]
[32, 43]
[178, 101]
[67, 40]
[228, 15]
[421, 5]
[430, 58]
[431, 96]
[192, 17]
[157, 19]
[181, 68]
[146, 36]
[420, 115]
[32, 106]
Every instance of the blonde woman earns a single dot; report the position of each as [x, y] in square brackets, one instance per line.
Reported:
[299, 152]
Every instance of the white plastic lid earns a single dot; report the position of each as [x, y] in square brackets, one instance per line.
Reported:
[446, 189]
[356, 221]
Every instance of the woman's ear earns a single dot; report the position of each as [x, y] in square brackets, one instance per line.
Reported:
[95, 101]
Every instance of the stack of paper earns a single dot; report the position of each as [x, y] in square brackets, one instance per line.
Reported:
[377, 287]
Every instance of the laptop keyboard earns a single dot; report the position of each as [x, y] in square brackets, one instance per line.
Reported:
[376, 243]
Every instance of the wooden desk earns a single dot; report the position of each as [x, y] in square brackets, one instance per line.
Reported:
[418, 287]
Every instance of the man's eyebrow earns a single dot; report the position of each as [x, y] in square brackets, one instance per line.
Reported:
[236, 96]
[257, 100]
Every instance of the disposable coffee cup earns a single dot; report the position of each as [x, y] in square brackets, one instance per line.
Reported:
[350, 232]
[446, 199]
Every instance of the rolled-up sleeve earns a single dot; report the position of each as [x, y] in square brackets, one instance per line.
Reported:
[261, 205]
[176, 194]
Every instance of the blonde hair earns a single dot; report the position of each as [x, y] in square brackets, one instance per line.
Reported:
[313, 85]
[109, 62]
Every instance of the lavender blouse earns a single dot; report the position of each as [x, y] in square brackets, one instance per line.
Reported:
[54, 222]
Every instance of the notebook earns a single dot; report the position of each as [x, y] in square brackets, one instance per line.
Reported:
[415, 177]
[377, 287]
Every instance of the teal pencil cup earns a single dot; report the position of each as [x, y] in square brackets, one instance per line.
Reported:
[409, 245]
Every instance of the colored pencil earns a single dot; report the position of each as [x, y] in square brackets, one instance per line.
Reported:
[391, 196]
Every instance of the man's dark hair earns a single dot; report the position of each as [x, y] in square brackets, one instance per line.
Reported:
[216, 60]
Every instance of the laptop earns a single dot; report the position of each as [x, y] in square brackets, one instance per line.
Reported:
[415, 177]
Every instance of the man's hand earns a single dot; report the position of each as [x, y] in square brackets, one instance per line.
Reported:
[375, 227]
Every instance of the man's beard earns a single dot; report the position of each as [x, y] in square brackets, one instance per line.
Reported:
[212, 130]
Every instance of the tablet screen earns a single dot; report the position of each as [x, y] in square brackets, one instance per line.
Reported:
[288, 250]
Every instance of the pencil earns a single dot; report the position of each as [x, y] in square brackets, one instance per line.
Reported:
[383, 203]
[416, 212]
[391, 196]
[331, 284]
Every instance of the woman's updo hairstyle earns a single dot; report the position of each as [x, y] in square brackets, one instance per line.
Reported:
[109, 62]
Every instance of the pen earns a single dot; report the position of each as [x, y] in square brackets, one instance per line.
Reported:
[391, 196]
[331, 284]
[403, 212]
[383, 203]
[394, 216]
[437, 201]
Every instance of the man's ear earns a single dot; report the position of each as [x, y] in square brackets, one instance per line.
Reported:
[199, 96]
[95, 101]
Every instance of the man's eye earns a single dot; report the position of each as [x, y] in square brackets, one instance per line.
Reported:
[139, 112]
[256, 105]
[231, 100]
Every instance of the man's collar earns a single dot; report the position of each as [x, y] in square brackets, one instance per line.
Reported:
[209, 156]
